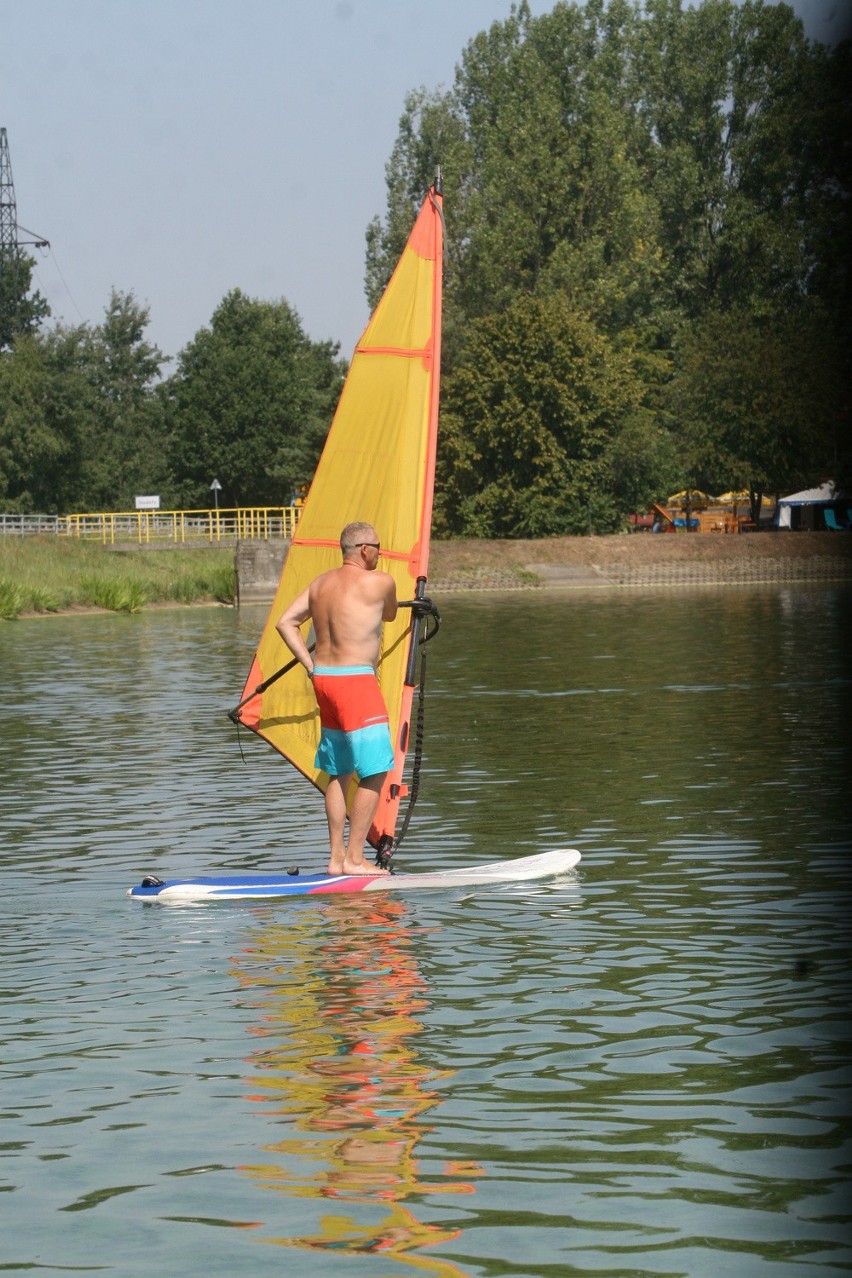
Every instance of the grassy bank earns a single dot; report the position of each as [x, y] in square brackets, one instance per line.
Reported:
[53, 574]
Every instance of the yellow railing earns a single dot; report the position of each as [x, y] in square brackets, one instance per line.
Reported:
[257, 522]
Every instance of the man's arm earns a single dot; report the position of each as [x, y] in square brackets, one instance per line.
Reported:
[288, 625]
[390, 605]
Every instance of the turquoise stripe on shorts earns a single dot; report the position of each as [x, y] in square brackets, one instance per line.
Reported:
[366, 751]
[343, 670]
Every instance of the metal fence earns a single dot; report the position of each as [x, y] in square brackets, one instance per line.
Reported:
[30, 525]
[177, 526]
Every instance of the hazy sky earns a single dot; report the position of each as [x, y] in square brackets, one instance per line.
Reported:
[181, 148]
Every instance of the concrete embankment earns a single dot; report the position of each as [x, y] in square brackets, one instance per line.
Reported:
[634, 560]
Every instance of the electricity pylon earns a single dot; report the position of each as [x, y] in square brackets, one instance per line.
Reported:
[13, 282]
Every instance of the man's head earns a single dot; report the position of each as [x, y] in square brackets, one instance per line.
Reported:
[360, 543]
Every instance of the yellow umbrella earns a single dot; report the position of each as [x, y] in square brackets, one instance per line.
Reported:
[734, 497]
[743, 497]
[690, 494]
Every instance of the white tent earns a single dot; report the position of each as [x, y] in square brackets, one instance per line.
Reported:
[822, 496]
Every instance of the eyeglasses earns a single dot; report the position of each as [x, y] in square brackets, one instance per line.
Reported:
[377, 545]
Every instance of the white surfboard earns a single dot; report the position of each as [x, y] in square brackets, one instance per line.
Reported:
[240, 887]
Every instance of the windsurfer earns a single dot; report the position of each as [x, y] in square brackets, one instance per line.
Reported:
[348, 606]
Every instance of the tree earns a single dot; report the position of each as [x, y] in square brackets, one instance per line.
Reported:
[41, 390]
[650, 167]
[250, 404]
[122, 431]
[81, 424]
[734, 108]
[543, 155]
[529, 423]
[756, 405]
[643, 159]
[643, 462]
[21, 312]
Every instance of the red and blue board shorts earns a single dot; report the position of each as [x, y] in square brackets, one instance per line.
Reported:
[354, 720]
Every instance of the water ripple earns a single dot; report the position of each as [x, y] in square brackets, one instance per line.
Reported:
[642, 1068]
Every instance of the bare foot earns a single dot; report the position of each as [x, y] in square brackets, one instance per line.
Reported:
[362, 866]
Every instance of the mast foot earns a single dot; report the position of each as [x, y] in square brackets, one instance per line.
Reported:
[384, 852]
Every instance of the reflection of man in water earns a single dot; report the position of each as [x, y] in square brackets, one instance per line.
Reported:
[347, 607]
[336, 1056]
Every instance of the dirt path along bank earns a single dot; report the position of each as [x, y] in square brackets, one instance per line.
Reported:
[641, 559]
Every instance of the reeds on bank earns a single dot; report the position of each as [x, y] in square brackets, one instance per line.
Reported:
[53, 574]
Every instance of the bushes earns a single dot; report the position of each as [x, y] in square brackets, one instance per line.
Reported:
[15, 599]
[117, 594]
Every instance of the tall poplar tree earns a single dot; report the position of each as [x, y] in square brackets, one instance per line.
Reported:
[652, 168]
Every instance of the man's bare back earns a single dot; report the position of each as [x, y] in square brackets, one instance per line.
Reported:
[347, 606]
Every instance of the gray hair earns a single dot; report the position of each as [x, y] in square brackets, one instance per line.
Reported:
[355, 532]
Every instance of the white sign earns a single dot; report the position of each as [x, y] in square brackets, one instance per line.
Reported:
[147, 503]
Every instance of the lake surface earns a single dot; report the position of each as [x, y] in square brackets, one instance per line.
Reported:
[640, 1069]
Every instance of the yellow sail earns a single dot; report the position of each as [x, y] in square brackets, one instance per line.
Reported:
[378, 467]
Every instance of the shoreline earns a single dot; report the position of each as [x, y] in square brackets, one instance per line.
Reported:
[641, 560]
[620, 561]
[92, 610]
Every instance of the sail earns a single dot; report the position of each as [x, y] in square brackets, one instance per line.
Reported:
[377, 466]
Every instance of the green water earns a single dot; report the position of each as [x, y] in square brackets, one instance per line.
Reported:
[643, 1068]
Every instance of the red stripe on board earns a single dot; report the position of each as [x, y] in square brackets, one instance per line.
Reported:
[348, 883]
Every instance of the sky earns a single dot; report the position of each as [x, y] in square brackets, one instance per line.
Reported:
[178, 149]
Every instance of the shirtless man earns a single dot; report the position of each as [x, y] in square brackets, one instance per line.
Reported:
[348, 606]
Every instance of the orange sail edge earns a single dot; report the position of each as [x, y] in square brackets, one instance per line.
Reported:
[377, 466]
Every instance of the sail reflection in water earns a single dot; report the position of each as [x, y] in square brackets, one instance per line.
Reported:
[337, 998]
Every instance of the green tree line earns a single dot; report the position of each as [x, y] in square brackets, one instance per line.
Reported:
[88, 421]
[647, 281]
[646, 288]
